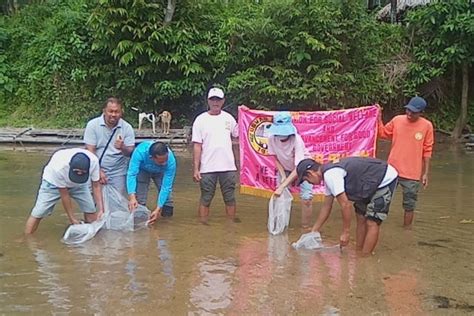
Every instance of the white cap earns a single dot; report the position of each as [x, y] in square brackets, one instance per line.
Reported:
[215, 93]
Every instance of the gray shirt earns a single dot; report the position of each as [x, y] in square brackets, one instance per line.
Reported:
[97, 134]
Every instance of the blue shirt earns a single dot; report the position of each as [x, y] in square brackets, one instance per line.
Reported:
[97, 134]
[141, 160]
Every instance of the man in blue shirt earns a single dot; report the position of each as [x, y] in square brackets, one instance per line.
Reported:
[112, 139]
[152, 160]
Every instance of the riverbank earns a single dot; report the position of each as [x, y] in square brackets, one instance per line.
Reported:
[42, 139]
[34, 137]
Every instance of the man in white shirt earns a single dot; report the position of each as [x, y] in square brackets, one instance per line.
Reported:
[67, 175]
[368, 182]
[213, 155]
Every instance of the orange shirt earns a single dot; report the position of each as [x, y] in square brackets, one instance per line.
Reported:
[411, 142]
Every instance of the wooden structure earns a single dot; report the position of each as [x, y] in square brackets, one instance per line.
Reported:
[73, 137]
[470, 143]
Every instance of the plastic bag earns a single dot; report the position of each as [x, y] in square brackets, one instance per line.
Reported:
[79, 233]
[310, 240]
[279, 209]
[117, 216]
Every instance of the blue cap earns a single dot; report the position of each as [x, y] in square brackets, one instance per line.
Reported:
[79, 168]
[416, 104]
[282, 125]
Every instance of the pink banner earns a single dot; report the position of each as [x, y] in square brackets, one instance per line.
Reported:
[328, 135]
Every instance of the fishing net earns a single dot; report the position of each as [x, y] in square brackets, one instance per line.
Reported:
[310, 240]
[116, 217]
[79, 233]
[279, 209]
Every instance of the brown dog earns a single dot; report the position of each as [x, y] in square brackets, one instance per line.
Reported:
[165, 118]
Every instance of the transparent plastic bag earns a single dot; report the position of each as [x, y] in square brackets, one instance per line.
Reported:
[117, 215]
[279, 209]
[310, 240]
[79, 233]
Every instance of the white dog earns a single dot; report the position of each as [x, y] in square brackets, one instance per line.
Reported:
[143, 115]
[165, 118]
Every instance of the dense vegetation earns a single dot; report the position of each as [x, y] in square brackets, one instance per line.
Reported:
[59, 59]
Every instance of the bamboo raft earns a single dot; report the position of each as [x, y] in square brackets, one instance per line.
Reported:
[73, 137]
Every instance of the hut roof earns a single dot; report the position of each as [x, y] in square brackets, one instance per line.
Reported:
[402, 5]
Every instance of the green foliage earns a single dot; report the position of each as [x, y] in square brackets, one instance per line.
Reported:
[316, 55]
[443, 37]
[49, 64]
[163, 63]
[445, 115]
[60, 59]
[280, 53]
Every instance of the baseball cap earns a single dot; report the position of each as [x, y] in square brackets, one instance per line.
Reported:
[215, 93]
[416, 104]
[282, 125]
[79, 168]
[303, 167]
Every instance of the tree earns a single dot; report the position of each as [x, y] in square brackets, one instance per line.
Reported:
[443, 40]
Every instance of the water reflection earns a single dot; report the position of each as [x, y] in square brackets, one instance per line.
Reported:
[181, 267]
[401, 293]
[213, 292]
[49, 275]
[166, 259]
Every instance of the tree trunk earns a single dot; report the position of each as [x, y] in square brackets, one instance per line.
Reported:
[169, 12]
[393, 11]
[371, 4]
[462, 118]
[11, 6]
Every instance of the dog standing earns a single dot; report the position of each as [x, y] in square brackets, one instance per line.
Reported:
[165, 118]
[143, 115]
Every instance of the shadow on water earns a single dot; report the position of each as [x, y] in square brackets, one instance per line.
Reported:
[182, 267]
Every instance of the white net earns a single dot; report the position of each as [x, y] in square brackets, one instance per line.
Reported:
[279, 209]
[310, 240]
[116, 217]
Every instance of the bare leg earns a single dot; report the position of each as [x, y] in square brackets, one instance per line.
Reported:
[371, 237]
[203, 213]
[408, 218]
[361, 231]
[32, 224]
[306, 213]
[230, 210]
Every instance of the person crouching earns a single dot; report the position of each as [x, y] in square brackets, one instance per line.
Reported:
[367, 182]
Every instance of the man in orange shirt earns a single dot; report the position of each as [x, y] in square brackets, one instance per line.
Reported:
[412, 147]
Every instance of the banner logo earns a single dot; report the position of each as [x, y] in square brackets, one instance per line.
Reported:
[258, 134]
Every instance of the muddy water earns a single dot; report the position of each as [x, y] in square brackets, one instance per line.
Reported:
[182, 267]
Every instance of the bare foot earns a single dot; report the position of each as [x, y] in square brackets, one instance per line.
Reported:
[203, 221]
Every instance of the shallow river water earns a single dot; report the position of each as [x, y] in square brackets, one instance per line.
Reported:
[184, 268]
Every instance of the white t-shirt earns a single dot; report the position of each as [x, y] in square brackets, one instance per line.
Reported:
[288, 153]
[56, 171]
[214, 132]
[334, 180]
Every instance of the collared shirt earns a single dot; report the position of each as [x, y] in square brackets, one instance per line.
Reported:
[141, 160]
[56, 171]
[97, 134]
